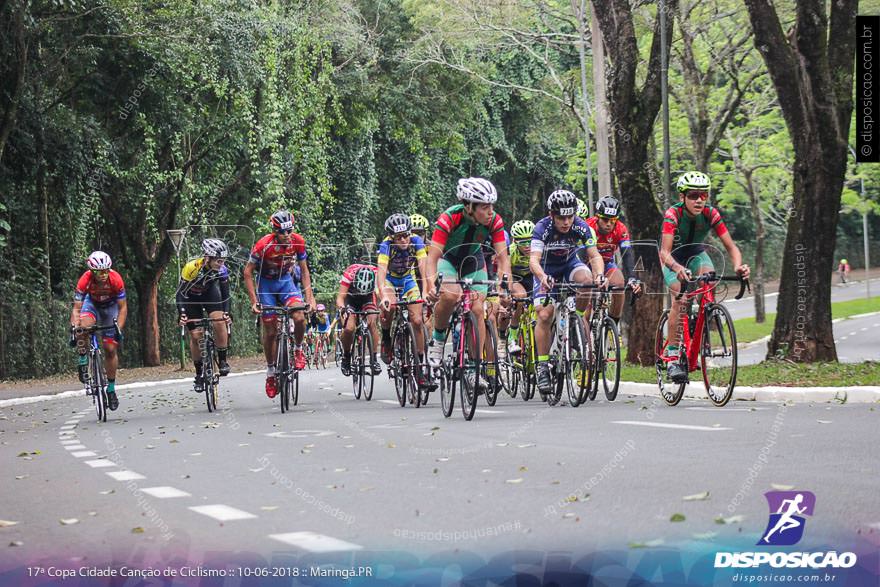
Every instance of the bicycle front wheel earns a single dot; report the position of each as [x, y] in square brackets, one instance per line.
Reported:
[99, 385]
[281, 374]
[577, 359]
[210, 382]
[469, 354]
[492, 368]
[609, 358]
[718, 358]
[367, 366]
[355, 368]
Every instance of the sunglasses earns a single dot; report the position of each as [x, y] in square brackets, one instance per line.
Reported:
[524, 242]
[100, 272]
[401, 235]
[284, 232]
[694, 196]
[608, 218]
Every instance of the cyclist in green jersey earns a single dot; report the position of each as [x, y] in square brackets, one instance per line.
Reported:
[683, 254]
[456, 252]
[523, 282]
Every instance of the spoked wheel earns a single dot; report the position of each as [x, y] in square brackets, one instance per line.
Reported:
[99, 386]
[410, 365]
[282, 375]
[337, 352]
[367, 366]
[356, 370]
[492, 368]
[557, 380]
[400, 382]
[669, 391]
[210, 382]
[527, 368]
[447, 381]
[577, 360]
[595, 335]
[469, 365]
[609, 364]
[293, 382]
[506, 370]
[718, 358]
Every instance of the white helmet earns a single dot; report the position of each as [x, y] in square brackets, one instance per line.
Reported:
[99, 261]
[214, 247]
[477, 190]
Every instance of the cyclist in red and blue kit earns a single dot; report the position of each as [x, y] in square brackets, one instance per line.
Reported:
[274, 258]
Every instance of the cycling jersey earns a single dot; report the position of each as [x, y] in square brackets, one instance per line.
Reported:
[100, 294]
[202, 286]
[519, 263]
[274, 259]
[461, 238]
[358, 301]
[319, 325]
[690, 232]
[558, 249]
[490, 254]
[617, 237]
[349, 273]
[399, 261]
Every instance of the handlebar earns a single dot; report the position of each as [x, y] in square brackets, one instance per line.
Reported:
[711, 276]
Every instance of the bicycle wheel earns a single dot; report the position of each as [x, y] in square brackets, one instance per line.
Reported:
[610, 358]
[367, 358]
[293, 383]
[718, 358]
[99, 385]
[282, 367]
[577, 359]
[469, 365]
[447, 388]
[208, 376]
[410, 365]
[669, 391]
[337, 352]
[506, 369]
[492, 379]
[399, 348]
[527, 365]
[594, 333]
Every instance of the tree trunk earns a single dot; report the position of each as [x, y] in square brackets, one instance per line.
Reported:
[760, 238]
[148, 298]
[17, 78]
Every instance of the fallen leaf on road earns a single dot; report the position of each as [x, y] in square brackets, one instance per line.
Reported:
[137, 530]
[349, 446]
[436, 428]
[305, 451]
[527, 445]
[731, 520]
[244, 444]
[696, 497]
[16, 543]
[442, 459]
[523, 469]
[436, 471]
[108, 492]
[554, 483]
[514, 481]
[7, 523]
[780, 487]
[706, 535]
[68, 521]
[486, 471]
[93, 514]
[22, 454]
[367, 488]
[340, 470]
[677, 518]
[568, 515]
[824, 421]
[309, 446]
[172, 441]
[391, 445]
[269, 508]
[500, 444]
[20, 477]
[195, 454]
[150, 446]
[648, 544]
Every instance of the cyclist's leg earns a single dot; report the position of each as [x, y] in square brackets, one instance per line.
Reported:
[410, 293]
[291, 296]
[615, 277]
[578, 272]
[673, 327]
[450, 293]
[349, 323]
[105, 317]
[544, 316]
[268, 297]
[87, 318]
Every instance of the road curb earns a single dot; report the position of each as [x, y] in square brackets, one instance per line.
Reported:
[854, 394]
[18, 401]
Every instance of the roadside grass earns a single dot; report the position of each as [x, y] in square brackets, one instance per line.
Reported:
[781, 373]
[747, 330]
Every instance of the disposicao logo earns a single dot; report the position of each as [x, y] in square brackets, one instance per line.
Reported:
[785, 528]
[786, 524]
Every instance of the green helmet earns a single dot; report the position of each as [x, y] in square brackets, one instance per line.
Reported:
[364, 281]
[419, 222]
[693, 180]
[583, 209]
[522, 229]
[844, 261]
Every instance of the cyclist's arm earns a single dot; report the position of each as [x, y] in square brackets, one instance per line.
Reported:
[224, 295]
[340, 297]
[627, 259]
[666, 257]
[123, 313]
[179, 298]
[535, 265]
[74, 313]
[423, 274]
[381, 275]
[503, 259]
[434, 253]
[249, 281]
[597, 265]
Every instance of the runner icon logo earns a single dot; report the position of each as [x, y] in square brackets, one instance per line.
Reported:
[787, 511]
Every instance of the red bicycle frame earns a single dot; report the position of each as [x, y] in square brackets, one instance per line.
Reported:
[691, 345]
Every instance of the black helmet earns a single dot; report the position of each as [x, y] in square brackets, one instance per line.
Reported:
[608, 206]
[398, 224]
[562, 202]
[282, 220]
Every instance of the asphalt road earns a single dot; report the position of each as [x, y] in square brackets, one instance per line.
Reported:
[165, 480]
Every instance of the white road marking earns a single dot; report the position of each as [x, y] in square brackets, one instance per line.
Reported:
[300, 433]
[313, 542]
[68, 427]
[98, 463]
[381, 401]
[74, 422]
[165, 492]
[479, 411]
[677, 426]
[69, 442]
[863, 329]
[844, 337]
[223, 513]
[125, 475]
[387, 426]
[84, 453]
[717, 411]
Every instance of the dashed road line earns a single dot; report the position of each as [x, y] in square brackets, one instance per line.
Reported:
[125, 475]
[222, 513]
[677, 426]
[83, 453]
[99, 463]
[165, 492]
[313, 542]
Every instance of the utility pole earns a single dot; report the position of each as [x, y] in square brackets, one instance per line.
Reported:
[664, 94]
[599, 98]
[582, 29]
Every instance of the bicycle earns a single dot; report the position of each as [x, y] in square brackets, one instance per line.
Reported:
[405, 362]
[571, 350]
[523, 370]
[286, 373]
[210, 364]
[464, 371]
[96, 384]
[362, 354]
[309, 349]
[705, 324]
[320, 354]
[606, 345]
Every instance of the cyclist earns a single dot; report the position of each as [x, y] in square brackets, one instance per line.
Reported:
[583, 210]
[611, 235]
[400, 252]
[357, 290]
[320, 324]
[274, 257]
[420, 226]
[843, 270]
[99, 298]
[204, 285]
[685, 226]
[456, 252]
[554, 258]
[492, 305]
[523, 282]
